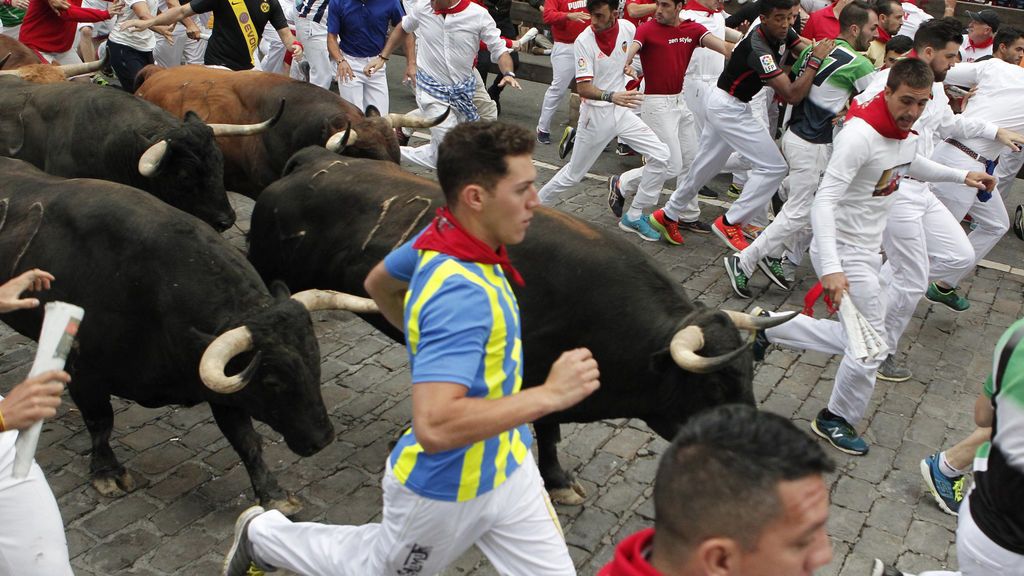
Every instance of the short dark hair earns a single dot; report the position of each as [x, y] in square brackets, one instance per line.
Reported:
[937, 33]
[477, 153]
[884, 7]
[855, 14]
[912, 72]
[767, 6]
[719, 476]
[1007, 35]
[592, 5]
[899, 44]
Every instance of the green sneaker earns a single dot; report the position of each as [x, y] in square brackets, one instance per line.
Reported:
[951, 299]
[772, 267]
[737, 277]
[839, 433]
[734, 191]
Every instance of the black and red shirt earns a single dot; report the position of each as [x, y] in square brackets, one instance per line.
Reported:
[755, 60]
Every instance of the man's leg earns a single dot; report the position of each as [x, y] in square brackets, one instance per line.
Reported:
[978, 555]
[640, 137]
[943, 472]
[659, 114]
[905, 273]
[426, 154]
[486, 107]
[769, 169]
[169, 55]
[314, 42]
[352, 90]
[1010, 163]
[562, 70]
[596, 129]
[375, 88]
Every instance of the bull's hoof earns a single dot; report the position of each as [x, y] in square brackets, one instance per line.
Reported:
[573, 495]
[288, 506]
[115, 486]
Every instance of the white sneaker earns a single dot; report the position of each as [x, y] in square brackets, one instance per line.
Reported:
[530, 35]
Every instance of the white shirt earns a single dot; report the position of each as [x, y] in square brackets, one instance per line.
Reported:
[912, 19]
[969, 53]
[705, 62]
[997, 101]
[852, 203]
[142, 40]
[447, 46]
[605, 71]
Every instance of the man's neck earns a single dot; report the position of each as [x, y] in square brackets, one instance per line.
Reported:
[673, 24]
[473, 226]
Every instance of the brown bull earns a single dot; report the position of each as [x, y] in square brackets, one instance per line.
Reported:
[14, 54]
[313, 117]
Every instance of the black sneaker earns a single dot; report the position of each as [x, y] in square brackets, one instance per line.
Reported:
[736, 276]
[1018, 222]
[839, 433]
[696, 227]
[890, 371]
[240, 560]
[624, 150]
[566, 143]
[776, 204]
[403, 140]
[543, 137]
[761, 343]
[615, 198]
[706, 192]
[772, 267]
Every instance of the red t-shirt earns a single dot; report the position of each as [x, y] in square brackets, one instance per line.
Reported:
[556, 15]
[637, 21]
[822, 24]
[665, 53]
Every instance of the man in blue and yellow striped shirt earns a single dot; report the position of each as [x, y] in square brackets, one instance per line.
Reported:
[463, 473]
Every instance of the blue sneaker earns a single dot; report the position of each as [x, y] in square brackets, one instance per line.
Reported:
[839, 434]
[543, 137]
[640, 227]
[948, 492]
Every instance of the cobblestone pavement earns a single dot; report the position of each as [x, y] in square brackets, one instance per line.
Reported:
[179, 521]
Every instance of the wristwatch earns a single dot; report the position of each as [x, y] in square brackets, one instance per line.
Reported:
[509, 74]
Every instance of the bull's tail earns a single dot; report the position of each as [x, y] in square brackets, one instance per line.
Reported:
[144, 74]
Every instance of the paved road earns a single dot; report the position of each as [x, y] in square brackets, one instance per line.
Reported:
[179, 521]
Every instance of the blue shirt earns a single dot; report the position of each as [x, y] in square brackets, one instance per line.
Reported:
[461, 326]
[362, 26]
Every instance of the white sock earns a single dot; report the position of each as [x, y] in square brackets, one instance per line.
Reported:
[947, 469]
[634, 213]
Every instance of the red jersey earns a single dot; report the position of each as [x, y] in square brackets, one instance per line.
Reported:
[822, 24]
[665, 53]
[637, 21]
[44, 30]
[556, 15]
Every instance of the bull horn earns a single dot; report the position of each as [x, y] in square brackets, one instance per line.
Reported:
[340, 140]
[150, 161]
[5, 59]
[217, 355]
[407, 121]
[71, 70]
[745, 321]
[688, 341]
[315, 300]
[15, 72]
[247, 129]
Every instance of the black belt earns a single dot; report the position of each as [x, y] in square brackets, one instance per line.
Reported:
[966, 150]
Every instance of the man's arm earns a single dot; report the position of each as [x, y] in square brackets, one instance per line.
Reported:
[794, 92]
[389, 294]
[169, 17]
[626, 98]
[715, 43]
[638, 11]
[928, 170]
[396, 37]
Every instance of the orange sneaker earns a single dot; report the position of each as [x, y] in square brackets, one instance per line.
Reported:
[731, 235]
[669, 229]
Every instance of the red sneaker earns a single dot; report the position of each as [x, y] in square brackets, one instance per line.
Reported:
[668, 229]
[731, 235]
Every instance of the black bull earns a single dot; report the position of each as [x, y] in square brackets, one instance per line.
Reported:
[328, 221]
[159, 287]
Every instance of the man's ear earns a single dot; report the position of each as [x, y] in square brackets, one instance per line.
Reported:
[472, 197]
[719, 556]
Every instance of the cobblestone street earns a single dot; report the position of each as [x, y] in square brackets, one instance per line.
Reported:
[192, 486]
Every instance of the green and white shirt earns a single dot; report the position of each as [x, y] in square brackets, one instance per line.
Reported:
[11, 16]
[844, 73]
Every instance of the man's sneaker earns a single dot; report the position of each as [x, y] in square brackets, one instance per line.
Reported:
[882, 569]
[697, 227]
[772, 267]
[706, 192]
[567, 141]
[543, 137]
[668, 228]
[732, 235]
[789, 270]
[736, 276]
[1018, 222]
[950, 299]
[948, 492]
[839, 434]
[623, 149]
[890, 371]
[615, 198]
[734, 191]
[640, 227]
[761, 343]
[751, 231]
[240, 561]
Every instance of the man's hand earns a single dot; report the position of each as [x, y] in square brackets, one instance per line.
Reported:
[577, 16]
[192, 30]
[135, 25]
[629, 71]
[166, 31]
[34, 399]
[58, 5]
[115, 8]
[1009, 138]
[21, 4]
[509, 81]
[628, 98]
[296, 50]
[376, 64]
[573, 377]
[409, 78]
[345, 73]
[834, 285]
[981, 181]
[10, 293]
[822, 48]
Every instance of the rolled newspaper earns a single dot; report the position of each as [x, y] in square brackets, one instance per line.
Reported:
[60, 324]
[865, 343]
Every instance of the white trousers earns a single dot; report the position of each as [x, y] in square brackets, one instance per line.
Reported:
[32, 537]
[695, 90]
[922, 240]
[11, 31]
[514, 525]
[976, 553]
[790, 232]
[672, 123]
[732, 127]
[364, 90]
[596, 128]
[69, 57]
[184, 49]
[1010, 163]
[991, 216]
[855, 379]
[313, 36]
[273, 52]
[563, 70]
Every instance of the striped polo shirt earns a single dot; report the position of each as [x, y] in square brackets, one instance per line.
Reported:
[461, 326]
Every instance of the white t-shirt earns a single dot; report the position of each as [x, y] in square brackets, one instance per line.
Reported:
[912, 19]
[142, 40]
[604, 70]
[969, 53]
[1000, 87]
[705, 62]
[447, 46]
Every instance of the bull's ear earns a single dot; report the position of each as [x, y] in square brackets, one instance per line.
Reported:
[191, 116]
[372, 111]
[279, 290]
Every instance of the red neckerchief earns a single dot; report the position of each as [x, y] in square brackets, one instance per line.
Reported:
[447, 236]
[883, 36]
[459, 7]
[606, 38]
[629, 559]
[981, 46]
[876, 113]
[698, 7]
